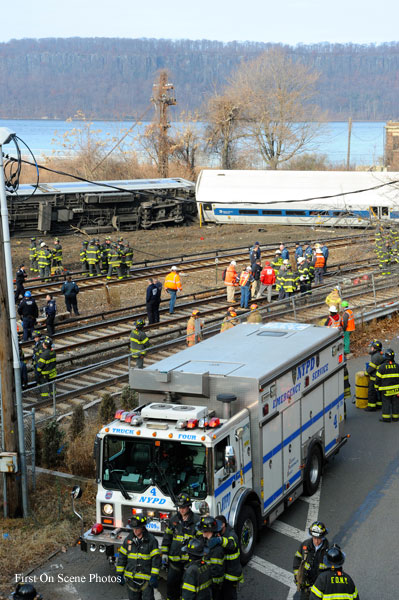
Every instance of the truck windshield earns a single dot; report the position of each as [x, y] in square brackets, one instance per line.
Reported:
[172, 466]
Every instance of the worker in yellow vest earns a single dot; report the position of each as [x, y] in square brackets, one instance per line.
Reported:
[194, 329]
[347, 324]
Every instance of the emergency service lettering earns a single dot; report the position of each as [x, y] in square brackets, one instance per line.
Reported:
[319, 372]
[291, 392]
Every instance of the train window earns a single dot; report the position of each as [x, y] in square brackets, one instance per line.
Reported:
[295, 213]
[273, 213]
[316, 213]
[384, 211]
[247, 211]
[207, 206]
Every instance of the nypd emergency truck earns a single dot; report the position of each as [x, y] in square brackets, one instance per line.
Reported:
[243, 422]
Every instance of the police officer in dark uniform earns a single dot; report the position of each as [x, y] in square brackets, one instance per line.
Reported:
[153, 300]
[19, 281]
[139, 343]
[309, 558]
[139, 561]
[180, 528]
[197, 579]
[387, 383]
[51, 311]
[376, 358]
[29, 312]
[334, 582]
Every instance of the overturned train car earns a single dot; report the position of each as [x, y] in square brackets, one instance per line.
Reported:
[98, 208]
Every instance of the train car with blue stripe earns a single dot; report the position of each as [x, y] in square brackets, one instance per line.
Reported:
[242, 423]
[322, 198]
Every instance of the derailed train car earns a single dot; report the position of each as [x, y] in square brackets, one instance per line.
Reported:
[100, 208]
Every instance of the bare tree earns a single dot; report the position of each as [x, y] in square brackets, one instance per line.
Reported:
[186, 142]
[223, 131]
[275, 99]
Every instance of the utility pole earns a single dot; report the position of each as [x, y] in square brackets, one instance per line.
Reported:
[11, 394]
[348, 156]
[163, 98]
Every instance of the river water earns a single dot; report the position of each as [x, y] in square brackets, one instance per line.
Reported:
[46, 137]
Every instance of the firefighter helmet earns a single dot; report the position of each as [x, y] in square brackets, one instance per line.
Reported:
[26, 591]
[253, 306]
[376, 344]
[195, 547]
[183, 500]
[138, 522]
[334, 557]
[209, 524]
[389, 354]
[140, 324]
[318, 529]
[36, 333]
[33, 239]
[195, 313]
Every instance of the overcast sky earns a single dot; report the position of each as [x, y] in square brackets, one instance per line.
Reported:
[287, 21]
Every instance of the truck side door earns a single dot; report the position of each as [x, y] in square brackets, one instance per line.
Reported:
[272, 458]
[291, 444]
[333, 409]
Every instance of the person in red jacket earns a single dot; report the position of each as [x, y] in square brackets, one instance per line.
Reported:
[267, 280]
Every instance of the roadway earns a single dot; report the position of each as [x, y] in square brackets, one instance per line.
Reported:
[357, 501]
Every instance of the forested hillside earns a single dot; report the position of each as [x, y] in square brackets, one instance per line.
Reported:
[112, 78]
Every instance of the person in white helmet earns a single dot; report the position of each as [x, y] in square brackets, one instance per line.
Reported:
[231, 280]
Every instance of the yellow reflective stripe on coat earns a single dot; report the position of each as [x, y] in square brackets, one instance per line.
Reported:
[120, 569]
[189, 587]
[137, 555]
[132, 575]
[232, 556]
[234, 577]
[122, 550]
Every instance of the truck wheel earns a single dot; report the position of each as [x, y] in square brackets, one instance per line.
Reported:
[247, 529]
[312, 474]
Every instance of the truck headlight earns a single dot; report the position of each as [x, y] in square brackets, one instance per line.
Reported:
[108, 509]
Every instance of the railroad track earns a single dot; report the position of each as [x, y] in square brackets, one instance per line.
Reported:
[81, 386]
[214, 259]
[98, 337]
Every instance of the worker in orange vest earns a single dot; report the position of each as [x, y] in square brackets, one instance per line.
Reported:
[172, 286]
[319, 263]
[194, 329]
[347, 324]
[246, 279]
[333, 320]
[231, 280]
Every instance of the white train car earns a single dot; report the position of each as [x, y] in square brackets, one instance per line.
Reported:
[330, 198]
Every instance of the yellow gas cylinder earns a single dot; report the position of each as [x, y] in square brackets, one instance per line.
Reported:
[362, 384]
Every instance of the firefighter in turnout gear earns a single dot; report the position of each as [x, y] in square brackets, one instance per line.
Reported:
[83, 258]
[180, 529]
[210, 528]
[114, 262]
[194, 329]
[254, 316]
[376, 358]
[308, 559]
[44, 261]
[230, 320]
[232, 564]
[25, 591]
[387, 382]
[197, 579]
[139, 343]
[334, 583]
[56, 257]
[46, 367]
[33, 256]
[36, 351]
[139, 561]
[93, 258]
